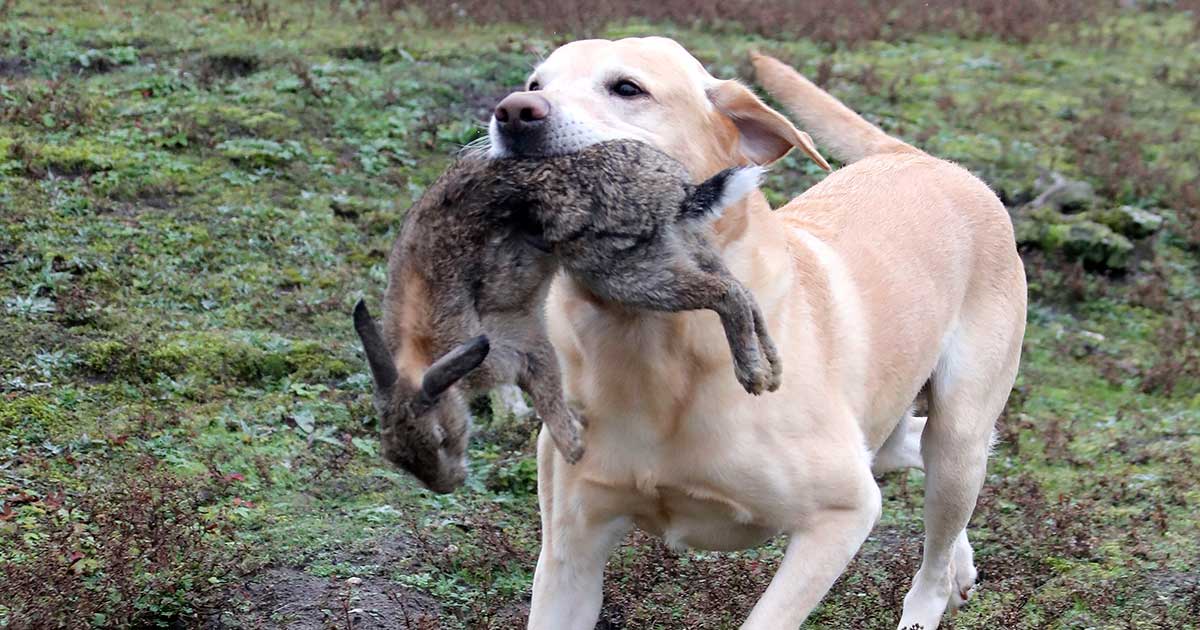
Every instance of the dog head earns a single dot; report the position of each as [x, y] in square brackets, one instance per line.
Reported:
[423, 428]
[648, 89]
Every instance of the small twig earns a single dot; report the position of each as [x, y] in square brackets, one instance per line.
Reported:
[345, 601]
[1060, 182]
[403, 608]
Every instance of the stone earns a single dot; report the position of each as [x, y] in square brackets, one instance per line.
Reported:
[1093, 243]
[1076, 236]
[1065, 195]
[1130, 221]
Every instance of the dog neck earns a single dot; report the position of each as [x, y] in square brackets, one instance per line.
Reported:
[750, 236]
[736, 220]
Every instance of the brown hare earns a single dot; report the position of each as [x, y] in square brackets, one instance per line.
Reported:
[468, 275]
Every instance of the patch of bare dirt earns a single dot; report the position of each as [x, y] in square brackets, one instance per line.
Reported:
[288, 597]
[479, 102]
[14, 67]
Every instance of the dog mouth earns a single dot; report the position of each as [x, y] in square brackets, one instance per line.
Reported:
[525, 141]
[551, 138]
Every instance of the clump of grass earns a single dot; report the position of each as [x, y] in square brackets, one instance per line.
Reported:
[1049, 545]
[1109, 148]
[227, 65]
[49, 105]
[490, 557]
[147, 549]
[1177, 362]
[29, 418]
[215, 356]
[836, 22]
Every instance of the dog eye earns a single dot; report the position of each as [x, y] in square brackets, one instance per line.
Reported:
[626, 89]
[533, 86]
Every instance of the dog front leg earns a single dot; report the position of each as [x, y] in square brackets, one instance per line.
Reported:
[568, 584]
[816, 555]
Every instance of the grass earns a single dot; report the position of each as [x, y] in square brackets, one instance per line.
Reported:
[192, 198]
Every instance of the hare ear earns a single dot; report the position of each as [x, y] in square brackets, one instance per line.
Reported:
[454, 365]
[711, 197]
[766, 134]
[383, 369]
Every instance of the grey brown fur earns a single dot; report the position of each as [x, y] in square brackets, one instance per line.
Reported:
[469, 272]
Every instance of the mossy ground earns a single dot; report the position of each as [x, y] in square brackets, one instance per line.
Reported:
[192, 199]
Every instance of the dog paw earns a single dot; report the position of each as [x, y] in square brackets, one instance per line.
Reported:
[963, 574]
[960, 597]
[962, 591]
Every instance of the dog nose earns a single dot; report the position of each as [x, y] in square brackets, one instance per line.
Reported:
[521, 109]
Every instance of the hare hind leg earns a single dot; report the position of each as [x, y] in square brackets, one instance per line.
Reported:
[688, 286]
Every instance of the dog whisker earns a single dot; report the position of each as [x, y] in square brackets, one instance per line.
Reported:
[477, 148]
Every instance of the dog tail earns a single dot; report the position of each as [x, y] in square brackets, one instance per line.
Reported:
[846, 134]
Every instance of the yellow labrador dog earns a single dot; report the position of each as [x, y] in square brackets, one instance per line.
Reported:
[896, 273]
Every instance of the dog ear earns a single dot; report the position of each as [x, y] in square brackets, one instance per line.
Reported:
[713, 195]
[766, 135]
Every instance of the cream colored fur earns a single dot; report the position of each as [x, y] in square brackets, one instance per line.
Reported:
[896, 271]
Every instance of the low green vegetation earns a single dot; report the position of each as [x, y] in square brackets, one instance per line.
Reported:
[192, 199]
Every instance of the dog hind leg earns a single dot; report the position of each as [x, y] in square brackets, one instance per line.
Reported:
[902, 450]
[967, 393]
[963, 573]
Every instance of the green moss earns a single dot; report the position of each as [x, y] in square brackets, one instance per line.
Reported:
[104, 357]
[311, 361]
[259, 153]
[1130, 221]
[78, 158]
[213, 357]
[1077, 236]
[222, 120]
[30, 418]
[1090, 242]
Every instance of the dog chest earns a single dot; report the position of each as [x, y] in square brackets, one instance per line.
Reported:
[699, 519]
[684, 515]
